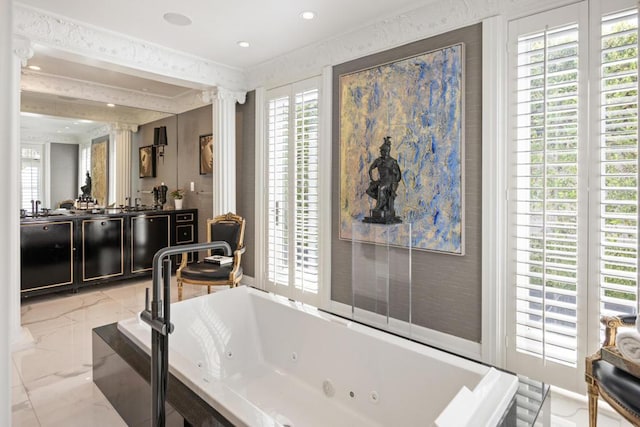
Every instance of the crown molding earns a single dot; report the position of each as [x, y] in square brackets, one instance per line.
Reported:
[96, 43]
[62, 108]
[428, 20]
[38, 137]
[98, 132]
[33, 81]
[22, 49]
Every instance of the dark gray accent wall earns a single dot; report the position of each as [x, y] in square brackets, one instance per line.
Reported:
[64, 173]
[191, 125]
[446, 289]
[180, 164]
[246, 176]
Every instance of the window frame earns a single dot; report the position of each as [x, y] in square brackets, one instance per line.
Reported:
[262, 99]
[588, 307]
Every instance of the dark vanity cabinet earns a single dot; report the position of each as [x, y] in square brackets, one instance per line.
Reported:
[69, 252]
[47, 255]
[149, 234]
[185, 231]
[102, 250]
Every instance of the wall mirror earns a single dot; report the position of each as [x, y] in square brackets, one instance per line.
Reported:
[68, 129]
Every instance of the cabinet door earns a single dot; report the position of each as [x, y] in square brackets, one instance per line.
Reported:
[46, 251]
[149, 234]
[102, 248]
[185, 231]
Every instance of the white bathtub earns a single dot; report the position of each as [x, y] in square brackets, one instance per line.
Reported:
[262, 360]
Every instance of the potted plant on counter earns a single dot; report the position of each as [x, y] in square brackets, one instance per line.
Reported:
[177, 195]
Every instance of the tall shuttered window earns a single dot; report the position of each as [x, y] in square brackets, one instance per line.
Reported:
[573, 185]
[30, 175]
[292, 190]
[619, 163]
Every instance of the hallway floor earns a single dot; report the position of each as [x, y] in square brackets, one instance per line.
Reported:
[52, 381]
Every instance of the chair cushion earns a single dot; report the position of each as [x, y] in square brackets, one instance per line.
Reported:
[208, 271]
[623, 387]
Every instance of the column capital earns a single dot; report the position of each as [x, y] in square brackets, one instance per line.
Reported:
[22, 49]
[219, 93]
[124, 126]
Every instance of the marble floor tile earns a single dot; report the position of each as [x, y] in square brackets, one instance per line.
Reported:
[22, 413]
[15, 375]
[73, 401]
[50, 314]
[570, 411]
[57, 352]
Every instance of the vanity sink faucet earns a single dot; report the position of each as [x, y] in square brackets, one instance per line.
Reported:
[35, 207]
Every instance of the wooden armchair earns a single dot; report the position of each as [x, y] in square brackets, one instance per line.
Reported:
[228, 228]
[612, 376]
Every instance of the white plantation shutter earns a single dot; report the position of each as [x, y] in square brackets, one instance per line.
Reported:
[619, 163]
[292, 187]
[278, 191]
[573, 195]
[545, 194]
[306, 187]
[30, 175]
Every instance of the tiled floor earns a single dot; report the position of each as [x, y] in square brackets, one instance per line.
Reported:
[52, 384]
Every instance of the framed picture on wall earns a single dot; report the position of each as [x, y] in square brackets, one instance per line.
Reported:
[416, 105]
[147, 161]
[100, 169]
[206, 154]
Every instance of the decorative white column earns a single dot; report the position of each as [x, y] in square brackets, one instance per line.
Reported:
[20, 337]
[120, 186]
[7, 136]
[224, 147]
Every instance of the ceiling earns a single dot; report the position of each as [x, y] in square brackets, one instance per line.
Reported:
[271, 27]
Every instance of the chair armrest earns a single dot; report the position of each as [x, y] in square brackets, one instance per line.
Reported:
[612, 323]
[237, 257]
[183, 263]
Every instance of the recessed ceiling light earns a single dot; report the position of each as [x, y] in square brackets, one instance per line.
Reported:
[243, 43]
[177, 19]
[308, 15]
[34, 67]
[111, 105]
[85, 121]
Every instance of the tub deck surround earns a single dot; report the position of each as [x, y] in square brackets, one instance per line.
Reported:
[261, 360]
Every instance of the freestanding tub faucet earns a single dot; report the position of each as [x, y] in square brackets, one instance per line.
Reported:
[158, 316]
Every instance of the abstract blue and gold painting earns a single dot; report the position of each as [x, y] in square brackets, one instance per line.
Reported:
[419, 102]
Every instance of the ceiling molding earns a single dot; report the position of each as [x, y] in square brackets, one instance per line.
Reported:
[428, 20]
[99, 132]
[67, 109]
[425, 21]
[98, 44]
[39, 137]
[63, 86]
